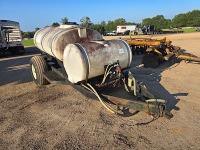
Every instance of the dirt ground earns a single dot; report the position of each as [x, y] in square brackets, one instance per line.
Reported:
[59, 117]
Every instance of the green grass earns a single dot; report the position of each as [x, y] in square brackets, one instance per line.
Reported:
[172, 30]
[189, 29]
[28, 42]
[185, 30]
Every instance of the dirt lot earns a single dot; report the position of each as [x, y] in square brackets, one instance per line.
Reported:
[59, 117]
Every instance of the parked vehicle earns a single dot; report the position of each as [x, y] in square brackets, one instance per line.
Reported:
[111, 33]
[10, 37]
[121, 29]
[127, 32]
[137, 31]
[148, 29]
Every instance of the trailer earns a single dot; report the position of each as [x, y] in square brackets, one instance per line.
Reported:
[158, 50]
[121, 29]
[10, 37]
[71, 54]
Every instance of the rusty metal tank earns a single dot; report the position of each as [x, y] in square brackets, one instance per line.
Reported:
[84, 52]
[53, 40]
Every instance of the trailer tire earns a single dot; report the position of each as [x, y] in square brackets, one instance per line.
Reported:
[38, 66]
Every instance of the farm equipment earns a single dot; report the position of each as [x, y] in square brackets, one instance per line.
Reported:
[94, 66]
[158, 50]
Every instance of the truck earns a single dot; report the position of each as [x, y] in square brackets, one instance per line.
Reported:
[10, 38]
[121, 29]
[146, 30]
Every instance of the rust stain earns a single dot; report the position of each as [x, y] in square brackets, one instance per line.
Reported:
[91, 47]
[87, 43]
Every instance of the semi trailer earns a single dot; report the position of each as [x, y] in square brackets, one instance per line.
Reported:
[122, 29]
[10, 37]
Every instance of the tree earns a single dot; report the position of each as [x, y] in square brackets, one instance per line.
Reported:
[103, 23]
[120, 21]
[190, 19]
[86, 22]
[147, 21]
[193, 18]
[179, 20]
[36, 29]
[158, 21]
[64, 20]
[169, 23]
[131, 23]
[55, 24]
[28, 34]
[110, 26]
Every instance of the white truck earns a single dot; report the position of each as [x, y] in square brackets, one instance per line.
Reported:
[10, 38]
[121, 29]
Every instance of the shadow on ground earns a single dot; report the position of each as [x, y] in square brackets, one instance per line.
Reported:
[15, 68]
[151, 78]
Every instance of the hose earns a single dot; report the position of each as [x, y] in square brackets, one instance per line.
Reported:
[125, 86]
[97, 95]
[134, 82]
[106, 74]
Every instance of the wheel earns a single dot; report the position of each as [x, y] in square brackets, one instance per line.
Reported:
[38, 66]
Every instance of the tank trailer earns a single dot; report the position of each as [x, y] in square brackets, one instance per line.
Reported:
[98, 68]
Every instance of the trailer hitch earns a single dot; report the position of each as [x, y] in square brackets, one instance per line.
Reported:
[135, 95]
[153, 107]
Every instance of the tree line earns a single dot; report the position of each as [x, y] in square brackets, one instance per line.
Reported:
[189, 19]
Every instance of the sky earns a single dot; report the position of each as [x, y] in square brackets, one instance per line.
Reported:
[33, 14]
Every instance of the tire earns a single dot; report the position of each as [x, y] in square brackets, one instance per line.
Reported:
[38, 66]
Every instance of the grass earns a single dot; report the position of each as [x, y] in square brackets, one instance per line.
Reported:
[28, 42]
[185, 30]
[189, 29]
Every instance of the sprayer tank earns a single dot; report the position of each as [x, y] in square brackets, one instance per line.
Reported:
[83, 51]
